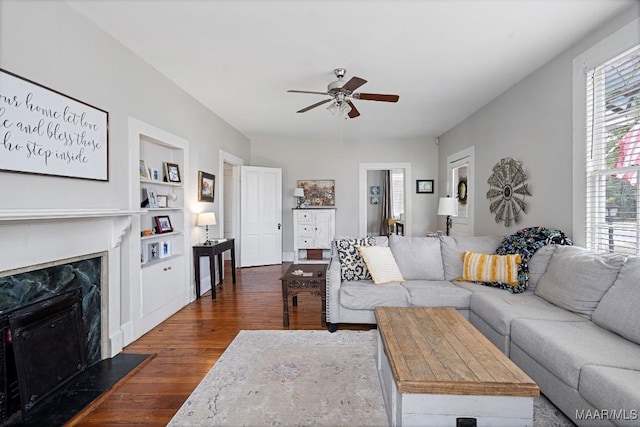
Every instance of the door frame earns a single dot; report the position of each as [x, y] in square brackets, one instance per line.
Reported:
[236, 162]
[363, 193]
[462, 226]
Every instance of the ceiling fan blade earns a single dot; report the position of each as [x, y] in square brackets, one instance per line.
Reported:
[354, 111]
[376, 97]
[353, 84]
[317, 104]
[308, 91]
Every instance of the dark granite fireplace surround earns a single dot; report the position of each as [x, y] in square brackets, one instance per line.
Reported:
[51, 358]
[50, 317]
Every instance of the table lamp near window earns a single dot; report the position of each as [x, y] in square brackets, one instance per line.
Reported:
[206, 219]
[298, 193]
[448, 206]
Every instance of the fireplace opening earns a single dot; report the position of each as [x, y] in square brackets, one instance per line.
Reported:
[44, 349]
[52, 359]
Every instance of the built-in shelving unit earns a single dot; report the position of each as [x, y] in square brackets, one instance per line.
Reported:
[160, 279]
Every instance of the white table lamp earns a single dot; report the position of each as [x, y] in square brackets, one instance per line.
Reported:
[206, 219]
[448, 206]
[298, 193]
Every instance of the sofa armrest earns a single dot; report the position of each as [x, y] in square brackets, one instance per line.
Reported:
[333, 287]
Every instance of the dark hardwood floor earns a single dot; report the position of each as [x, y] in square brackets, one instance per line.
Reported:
[188, 344]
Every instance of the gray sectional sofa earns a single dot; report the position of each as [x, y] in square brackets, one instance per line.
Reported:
[575, 331]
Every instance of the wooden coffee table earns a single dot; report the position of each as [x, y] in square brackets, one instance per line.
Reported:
[313, 281]
[435, 368]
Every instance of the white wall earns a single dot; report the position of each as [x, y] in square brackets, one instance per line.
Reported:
[50, 43]
[532, 123]
[340, 160]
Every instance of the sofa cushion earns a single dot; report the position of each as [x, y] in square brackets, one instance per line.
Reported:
[365, 295]
[527, 242]
[576, 279]
[564, 348]
[430, 293]
[381, 264]
[501, 308]
[351, 264]
[418, 257]
[613, 389]
[538, 264]
[618, 311]
[478, 267]
[453, 247]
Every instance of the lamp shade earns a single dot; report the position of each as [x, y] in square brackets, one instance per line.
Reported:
[298, 192]
[207, 218]
[448, 206]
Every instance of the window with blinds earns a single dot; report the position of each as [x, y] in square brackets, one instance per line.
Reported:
[397, 192]
[613, 155]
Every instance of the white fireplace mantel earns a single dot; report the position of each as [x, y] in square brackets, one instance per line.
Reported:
[50, 214]
[39, 236]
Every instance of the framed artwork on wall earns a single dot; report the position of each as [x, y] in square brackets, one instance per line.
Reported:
[424, 186]
[318, 193]
[206, 187]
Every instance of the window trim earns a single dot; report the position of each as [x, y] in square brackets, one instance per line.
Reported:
[617, 43]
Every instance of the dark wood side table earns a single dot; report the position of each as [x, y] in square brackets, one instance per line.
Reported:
[214, 250]
[315, 284]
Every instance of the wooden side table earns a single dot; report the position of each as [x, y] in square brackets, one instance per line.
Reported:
[216, 249]
[315, 284]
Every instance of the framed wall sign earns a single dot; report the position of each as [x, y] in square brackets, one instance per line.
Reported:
[45, 132]
[424, 186]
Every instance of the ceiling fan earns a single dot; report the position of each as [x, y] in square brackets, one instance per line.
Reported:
[342, 94]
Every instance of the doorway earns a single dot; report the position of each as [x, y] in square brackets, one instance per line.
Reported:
[460, 168]
[230, 198]
[364, 195]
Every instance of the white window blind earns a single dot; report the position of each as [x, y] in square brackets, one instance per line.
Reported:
[613, 155]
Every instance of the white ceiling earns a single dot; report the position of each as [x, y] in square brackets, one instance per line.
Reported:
[444, 58]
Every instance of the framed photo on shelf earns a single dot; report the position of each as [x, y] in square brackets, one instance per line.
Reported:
[154, 174]
[424, 186]
[172, 172]
[163, 201]
[149, 198]
[144, 170]
[165, 249]
[154, 251]
[163, 224]
[206, 187]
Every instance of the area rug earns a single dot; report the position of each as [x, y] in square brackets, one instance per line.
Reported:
[300, 378]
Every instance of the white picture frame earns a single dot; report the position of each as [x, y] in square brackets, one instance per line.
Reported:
[153, 198]
[165, 248]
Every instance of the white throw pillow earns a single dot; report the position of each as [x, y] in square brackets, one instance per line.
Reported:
[381, 264]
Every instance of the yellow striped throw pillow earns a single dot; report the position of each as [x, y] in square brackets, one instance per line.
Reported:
[381, 264]
[491, 268]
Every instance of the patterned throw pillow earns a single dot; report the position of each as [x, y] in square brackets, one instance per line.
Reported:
[381, 264]
[491, 268]
[352, 266]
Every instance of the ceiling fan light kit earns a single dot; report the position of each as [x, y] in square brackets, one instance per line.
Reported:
[342, 93]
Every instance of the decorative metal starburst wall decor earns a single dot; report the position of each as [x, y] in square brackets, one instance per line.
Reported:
[509, 190]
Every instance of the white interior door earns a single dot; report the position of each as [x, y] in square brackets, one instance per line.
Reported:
[260, 216]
